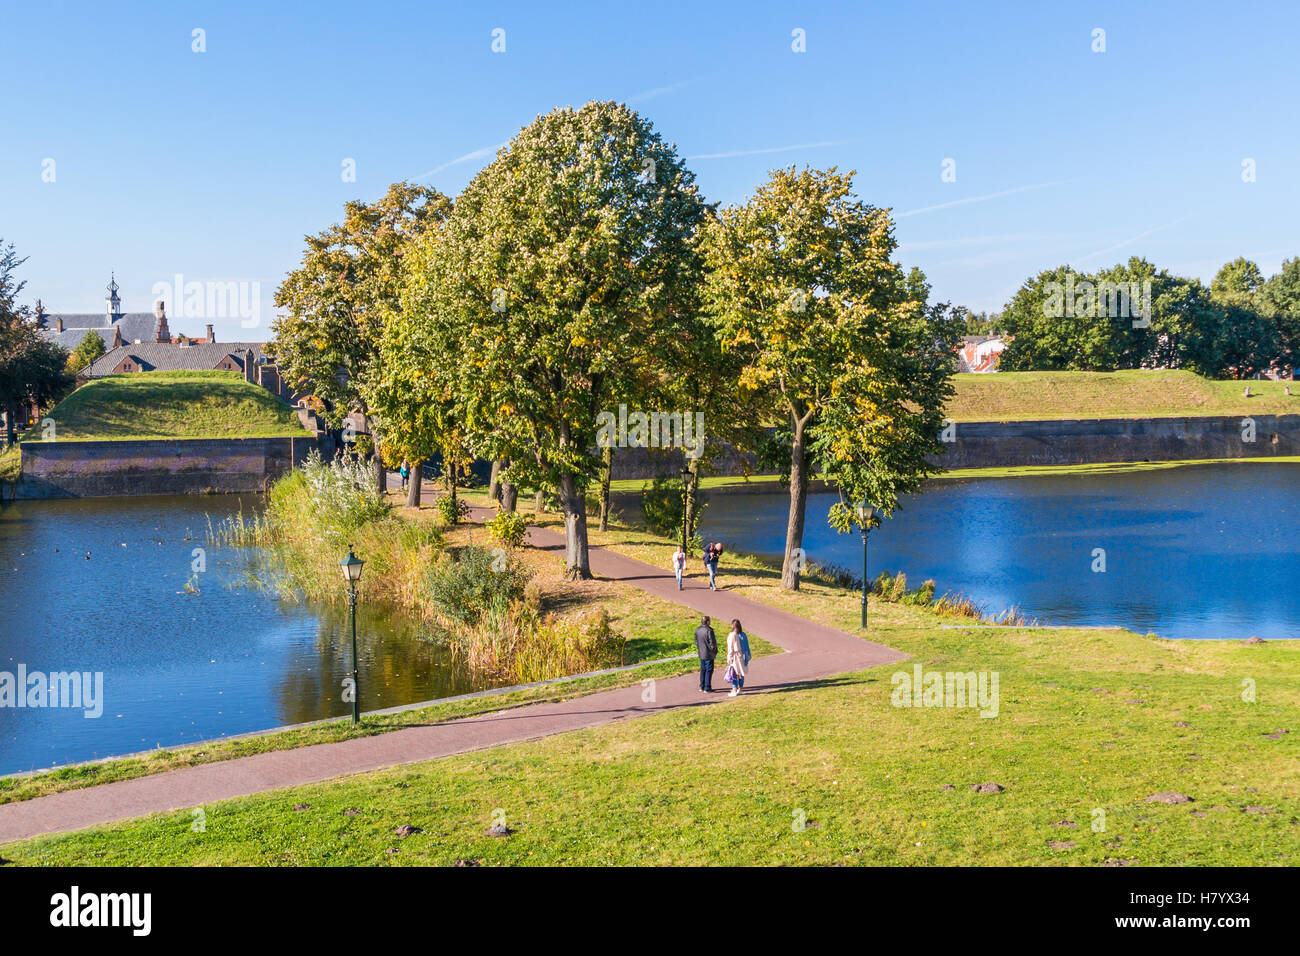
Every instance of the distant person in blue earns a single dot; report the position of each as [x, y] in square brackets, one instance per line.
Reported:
[405, 472]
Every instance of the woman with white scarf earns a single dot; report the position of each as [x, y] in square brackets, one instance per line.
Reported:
[737, 657]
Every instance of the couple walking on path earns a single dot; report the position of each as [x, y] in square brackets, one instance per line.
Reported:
[706, 644]
[711, 555]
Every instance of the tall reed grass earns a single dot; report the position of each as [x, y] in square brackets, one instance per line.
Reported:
[893, 588]
[481, 603]
[314, 514]
[518, 644]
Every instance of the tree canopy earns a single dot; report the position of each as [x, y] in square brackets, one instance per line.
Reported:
[31, 368]
[561, 276]
[801, 284]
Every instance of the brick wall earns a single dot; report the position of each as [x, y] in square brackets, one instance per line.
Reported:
[1075, 442]
[1083, 441]
[93, 469]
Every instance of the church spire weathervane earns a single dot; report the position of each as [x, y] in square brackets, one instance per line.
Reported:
[113, 303]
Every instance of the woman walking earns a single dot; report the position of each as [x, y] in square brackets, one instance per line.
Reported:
[405, 472]
[737, 657]
[679, 564]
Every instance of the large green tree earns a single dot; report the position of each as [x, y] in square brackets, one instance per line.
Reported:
[342, 295]
[1237, 283]
[1280, 300]
[31, 367]
[560, 277]
[88, 349]
[1057, 324]
[803, 286]
[1134, 315]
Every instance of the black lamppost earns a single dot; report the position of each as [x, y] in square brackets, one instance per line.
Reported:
[686, 501]
[865, 513]
[351, 566]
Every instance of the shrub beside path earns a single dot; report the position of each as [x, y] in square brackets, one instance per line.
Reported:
[811, 652]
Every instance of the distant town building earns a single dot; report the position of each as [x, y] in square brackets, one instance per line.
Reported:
[115, 327]
[980, 353]
[197, 356]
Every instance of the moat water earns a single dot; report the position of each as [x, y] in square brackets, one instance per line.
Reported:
[1210, 551]
[99, 586]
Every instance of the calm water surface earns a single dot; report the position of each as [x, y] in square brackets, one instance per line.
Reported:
[1205, 551]
[99, 585]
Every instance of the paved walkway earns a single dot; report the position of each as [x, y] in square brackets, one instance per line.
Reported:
[813, 652]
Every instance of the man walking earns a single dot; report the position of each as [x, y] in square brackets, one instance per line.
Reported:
[711, 555]
[707, 646]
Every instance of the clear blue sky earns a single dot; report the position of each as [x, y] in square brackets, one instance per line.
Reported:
[215, 165]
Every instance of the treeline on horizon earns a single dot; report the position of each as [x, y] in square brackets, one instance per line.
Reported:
[1240, 326]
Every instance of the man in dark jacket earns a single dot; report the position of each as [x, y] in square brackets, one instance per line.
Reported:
[707, 646]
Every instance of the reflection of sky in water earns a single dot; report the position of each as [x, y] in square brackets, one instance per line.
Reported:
[1206, 551]
[178, 667]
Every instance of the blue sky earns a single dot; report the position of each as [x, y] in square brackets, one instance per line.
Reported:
[214, 165]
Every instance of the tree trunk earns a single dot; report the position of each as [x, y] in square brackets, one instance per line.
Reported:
[798, 505]
[606, 466]
[509, 495]
[9, 427]
[494, 482]
[539, 504]
[381, 470]
[692, 497]
[449, 471]
[577, 562]
[413, 488]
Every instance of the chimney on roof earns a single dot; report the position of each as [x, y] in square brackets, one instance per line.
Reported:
[211, 338]
[161, 332]
[58, 325]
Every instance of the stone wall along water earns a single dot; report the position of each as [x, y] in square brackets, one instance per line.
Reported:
[95, 469]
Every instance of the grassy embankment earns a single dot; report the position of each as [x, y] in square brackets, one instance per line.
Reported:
[1090, 724]
[162, 405]
[172, 405]
[1053, 396]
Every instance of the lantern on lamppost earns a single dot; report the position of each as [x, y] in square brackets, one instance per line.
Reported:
[866, 512]
[351, 568]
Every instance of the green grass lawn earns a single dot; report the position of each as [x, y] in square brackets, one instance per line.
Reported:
[1089, 721]
[1090, 724]
[1023, 396]
[172, 405]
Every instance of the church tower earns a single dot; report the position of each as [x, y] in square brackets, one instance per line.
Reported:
[113, 304]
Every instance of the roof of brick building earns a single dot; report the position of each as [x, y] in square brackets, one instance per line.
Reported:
[162, 357]
[134, 325]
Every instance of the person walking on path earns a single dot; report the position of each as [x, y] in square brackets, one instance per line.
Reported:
[679, 565]
[706, 644]
[711, 555]
[737, 657]
[405, 472]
